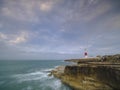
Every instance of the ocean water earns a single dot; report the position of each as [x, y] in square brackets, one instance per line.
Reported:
[30, 75]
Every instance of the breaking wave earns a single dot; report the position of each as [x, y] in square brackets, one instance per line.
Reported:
[41, 78]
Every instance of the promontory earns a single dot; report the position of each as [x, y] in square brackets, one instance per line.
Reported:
[94, 73]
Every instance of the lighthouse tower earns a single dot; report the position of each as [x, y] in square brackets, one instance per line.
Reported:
[85, 54]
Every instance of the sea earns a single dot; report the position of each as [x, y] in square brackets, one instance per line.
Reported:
[30, 75]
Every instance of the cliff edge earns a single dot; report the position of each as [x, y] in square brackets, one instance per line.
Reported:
[101, 73]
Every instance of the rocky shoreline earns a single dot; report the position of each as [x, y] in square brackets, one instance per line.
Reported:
[99, 73]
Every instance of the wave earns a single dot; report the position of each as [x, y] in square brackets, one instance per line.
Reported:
[47, 70]
[42, 79]
[37, 75]
[2, 82]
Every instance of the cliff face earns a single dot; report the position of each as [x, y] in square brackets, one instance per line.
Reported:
[91, 75]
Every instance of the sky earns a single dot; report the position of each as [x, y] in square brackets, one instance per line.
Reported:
[58, 29]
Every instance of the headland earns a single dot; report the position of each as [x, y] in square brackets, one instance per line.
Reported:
[96, 73]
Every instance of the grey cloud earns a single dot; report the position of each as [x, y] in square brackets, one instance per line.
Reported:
[58, 28]
[25, 10]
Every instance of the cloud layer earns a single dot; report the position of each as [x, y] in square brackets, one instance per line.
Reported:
[58, 29]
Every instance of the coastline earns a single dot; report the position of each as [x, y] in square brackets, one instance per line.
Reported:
[99, 73]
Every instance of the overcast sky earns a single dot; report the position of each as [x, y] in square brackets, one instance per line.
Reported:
[58, 29]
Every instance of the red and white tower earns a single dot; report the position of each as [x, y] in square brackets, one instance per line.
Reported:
[85, 54]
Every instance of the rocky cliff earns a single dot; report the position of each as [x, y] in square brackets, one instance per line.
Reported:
[103, 74]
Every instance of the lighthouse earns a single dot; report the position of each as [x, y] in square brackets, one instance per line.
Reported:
[85, 54]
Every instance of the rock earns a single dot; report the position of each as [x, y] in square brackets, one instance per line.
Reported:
[94, 77]
[111, 58]
[89, 75]
[50, 74]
